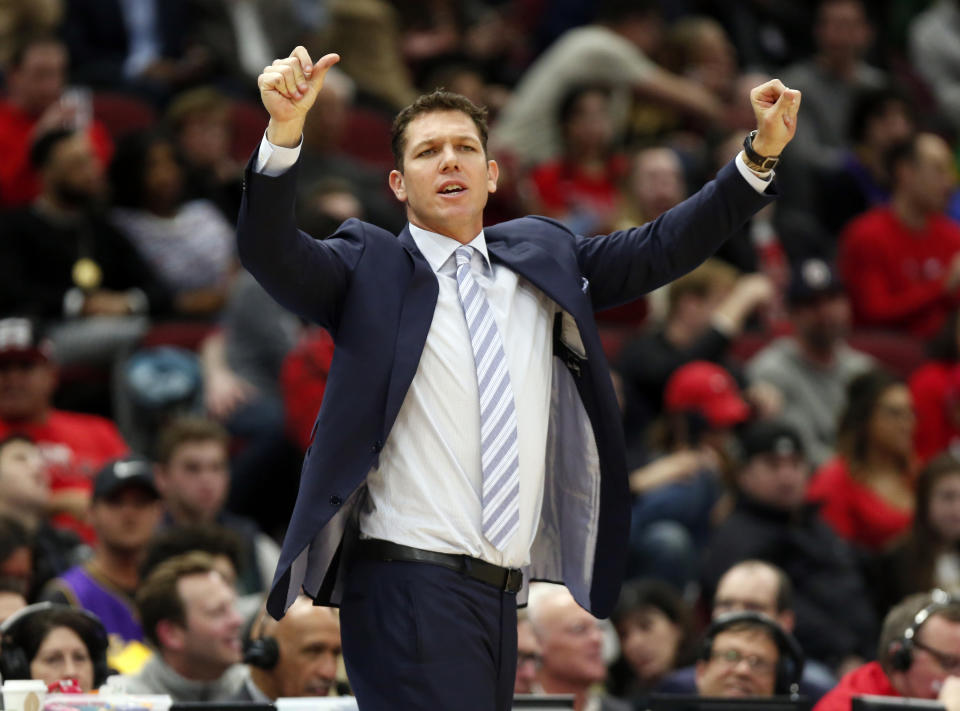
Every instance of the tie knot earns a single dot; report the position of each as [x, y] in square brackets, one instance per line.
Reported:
[463, 255]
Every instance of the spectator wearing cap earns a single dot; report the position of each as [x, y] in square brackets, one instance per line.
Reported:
[124, 513]
[813, 366]
[706, 309]
[678, 489]
[901, 262]
[74, 446]
[773, 522]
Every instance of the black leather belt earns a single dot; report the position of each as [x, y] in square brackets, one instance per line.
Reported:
[508, 580]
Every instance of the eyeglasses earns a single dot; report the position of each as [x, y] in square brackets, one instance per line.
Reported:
[528, 658]
[950, 663]
[733, 657]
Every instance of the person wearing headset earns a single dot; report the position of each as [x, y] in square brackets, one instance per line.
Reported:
[297, 656]
[748, 654]
[54, 643]
[918, 655]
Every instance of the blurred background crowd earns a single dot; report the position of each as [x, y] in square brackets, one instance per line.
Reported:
[795, 400]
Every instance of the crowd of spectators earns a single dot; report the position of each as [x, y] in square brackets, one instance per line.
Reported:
[791, 407]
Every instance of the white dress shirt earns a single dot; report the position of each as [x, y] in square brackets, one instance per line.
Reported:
[425, 492]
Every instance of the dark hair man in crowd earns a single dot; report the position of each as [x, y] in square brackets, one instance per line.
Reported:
[918, 653]
[188, 614]
[124, 513]
[466, 401]
[773, 522]
[296, 656]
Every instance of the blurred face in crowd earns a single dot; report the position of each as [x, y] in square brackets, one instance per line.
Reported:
[588, 130]
[657, 182]
[572, 644]
[929, 179]
[163, 178]
[309, 640]
[19, 566]
[742, 663]
[944, 507]
[24, 486]
[204, 137]
[26, 388]
[890, 125]
[40, 78]
[125, 520]
[73, 176]
[842, 31]
[649, 641]
[821, 322]
[446, 177]
[210, 641]
[751, 588]
[63, 655]
[10, 602]
[529, 659]
[936, 655]
[194, 483]
[775, 479]
[893, 421]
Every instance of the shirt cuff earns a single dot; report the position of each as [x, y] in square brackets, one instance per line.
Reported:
[756, 182]
[273, 160]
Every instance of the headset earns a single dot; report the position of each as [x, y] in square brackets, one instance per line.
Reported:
[901, 658]
[13, 659]
[790, 656]
[263, 651]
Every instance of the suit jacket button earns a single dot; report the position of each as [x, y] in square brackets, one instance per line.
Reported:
[377, 446]
[335, 500]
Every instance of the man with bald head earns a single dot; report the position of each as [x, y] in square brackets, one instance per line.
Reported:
[571, 642]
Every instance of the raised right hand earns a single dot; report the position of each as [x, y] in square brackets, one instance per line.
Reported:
[289, 86]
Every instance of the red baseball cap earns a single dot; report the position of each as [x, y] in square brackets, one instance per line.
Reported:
[709, 389]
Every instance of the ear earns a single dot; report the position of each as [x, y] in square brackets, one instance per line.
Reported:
[397, 185]
[171, 635]
[787, 620]
[493, 173]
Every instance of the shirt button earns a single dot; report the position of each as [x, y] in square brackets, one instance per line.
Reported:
[335, 500]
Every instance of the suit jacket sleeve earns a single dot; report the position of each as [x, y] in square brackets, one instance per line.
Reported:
[627, 264]
[307, 276]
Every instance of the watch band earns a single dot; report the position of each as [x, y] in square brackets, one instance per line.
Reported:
[754, 160]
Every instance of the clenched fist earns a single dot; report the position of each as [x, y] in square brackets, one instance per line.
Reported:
[775, 107]
[288, 88]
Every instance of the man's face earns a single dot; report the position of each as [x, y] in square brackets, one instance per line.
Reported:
[588, 129]
[40, 78]
[944, 507]
[889, 126]
[26, 389]
[649, 640]
[842, 29]
[24, 485]
[309, 642]
[73, 173]
[931, 177]
[776, 480]
[742, 663]
[195, 481]
[936, 655]
[125, 520]
[529, 659]
[750, 589]
[446, 176]
[657, 183]
[823, 321]
[572, 644]
[211, 639]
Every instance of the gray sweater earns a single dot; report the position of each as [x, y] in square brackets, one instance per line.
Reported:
[157, 677]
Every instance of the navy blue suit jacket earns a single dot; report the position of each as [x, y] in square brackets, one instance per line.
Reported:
[376, 294]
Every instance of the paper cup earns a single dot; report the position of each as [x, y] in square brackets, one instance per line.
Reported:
[24, 694]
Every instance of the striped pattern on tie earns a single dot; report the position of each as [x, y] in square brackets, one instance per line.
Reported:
[499, 456]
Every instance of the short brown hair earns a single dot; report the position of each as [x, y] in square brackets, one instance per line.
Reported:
[903, 616]
[438, 100]
[158, 598]
[190, 428]
[712, 274]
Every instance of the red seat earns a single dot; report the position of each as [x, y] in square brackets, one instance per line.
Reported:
[122, 113]
[366, 137]
[249, 121]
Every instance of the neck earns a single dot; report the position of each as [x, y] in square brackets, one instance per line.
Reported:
[880, 463]
[48, 204]
[910, 215]
[264, 681]
[463, 234]
[842, 66]
[554, 685]
[817, 355]
[120, 566]
[191, 669]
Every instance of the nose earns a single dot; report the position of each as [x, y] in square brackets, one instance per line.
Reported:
[449, 158]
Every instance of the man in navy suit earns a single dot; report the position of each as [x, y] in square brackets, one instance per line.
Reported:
[469, 439]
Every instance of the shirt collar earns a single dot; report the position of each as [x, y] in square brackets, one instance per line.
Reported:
[438, 249]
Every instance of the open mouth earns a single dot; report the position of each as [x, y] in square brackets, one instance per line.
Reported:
[452, 189]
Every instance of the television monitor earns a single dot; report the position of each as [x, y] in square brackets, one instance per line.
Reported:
[544, 702]
[893, 703]
[692, 702]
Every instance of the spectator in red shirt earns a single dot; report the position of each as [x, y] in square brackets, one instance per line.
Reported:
[36, 103]
[74, 446]
[935, 387]
[866, 493]
[901, 262]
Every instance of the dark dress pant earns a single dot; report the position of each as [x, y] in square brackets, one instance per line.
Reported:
[421, 636]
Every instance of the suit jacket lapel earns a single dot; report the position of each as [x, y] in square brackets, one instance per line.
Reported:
[416, 315]
[538, 267]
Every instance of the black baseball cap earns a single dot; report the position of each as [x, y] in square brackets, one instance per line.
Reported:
[812, 278]
[770, 437]
[120, 473]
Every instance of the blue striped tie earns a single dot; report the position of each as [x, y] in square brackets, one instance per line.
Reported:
[499, 456]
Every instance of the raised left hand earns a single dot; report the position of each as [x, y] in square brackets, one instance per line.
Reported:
[775, 107]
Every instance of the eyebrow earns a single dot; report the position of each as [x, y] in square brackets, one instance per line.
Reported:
[436, 139]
